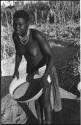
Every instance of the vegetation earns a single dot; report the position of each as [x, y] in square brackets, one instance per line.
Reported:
[59, 14]
[56, 19]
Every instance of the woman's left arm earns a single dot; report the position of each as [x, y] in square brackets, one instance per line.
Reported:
[46, 51]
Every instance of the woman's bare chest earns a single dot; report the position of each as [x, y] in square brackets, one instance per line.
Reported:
[33, 49]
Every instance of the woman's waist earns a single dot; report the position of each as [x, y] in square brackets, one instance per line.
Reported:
[34, 61]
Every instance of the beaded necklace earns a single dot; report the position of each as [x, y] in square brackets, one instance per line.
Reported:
[24, 40]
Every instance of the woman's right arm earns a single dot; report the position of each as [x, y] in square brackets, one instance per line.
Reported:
[17, 63]
[18, 58]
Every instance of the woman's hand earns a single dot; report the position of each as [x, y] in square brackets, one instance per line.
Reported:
[44, 83]
[29, 77]
[16, 74]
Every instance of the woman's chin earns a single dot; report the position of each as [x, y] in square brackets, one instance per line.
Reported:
[19, 34]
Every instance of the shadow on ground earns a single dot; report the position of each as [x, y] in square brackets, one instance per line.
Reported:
[31, 118]
[70, 113]
[5, 83]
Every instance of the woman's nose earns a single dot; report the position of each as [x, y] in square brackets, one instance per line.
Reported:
[18, 26]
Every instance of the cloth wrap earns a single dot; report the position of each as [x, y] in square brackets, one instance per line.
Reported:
[55, 93]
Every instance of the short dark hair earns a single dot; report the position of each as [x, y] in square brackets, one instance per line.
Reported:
[21, 14]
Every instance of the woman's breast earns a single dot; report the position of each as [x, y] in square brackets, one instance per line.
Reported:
[35, 54]
[34, 49]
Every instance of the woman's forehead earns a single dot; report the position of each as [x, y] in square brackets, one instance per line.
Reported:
[22, 20]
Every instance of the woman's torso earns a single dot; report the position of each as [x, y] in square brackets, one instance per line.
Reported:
[32, 52]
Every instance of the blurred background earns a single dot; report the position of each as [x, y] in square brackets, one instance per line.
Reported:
[57, 19]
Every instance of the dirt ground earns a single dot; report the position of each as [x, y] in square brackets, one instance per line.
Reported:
[12, 112]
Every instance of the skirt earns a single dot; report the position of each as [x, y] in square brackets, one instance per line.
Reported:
[54, 93]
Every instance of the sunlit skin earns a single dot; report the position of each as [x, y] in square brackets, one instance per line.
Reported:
[38, 52]
[20, 26]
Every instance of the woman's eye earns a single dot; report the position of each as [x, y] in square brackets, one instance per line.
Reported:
[20, 24]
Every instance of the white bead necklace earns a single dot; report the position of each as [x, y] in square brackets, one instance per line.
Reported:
[24, 40]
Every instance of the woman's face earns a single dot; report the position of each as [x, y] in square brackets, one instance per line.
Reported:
[20, 26]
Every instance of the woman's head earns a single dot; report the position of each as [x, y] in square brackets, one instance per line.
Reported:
[20, 22]
[21, 14]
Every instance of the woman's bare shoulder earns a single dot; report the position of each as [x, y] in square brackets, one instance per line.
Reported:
[35, 33]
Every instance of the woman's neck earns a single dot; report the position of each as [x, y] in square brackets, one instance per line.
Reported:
[24, 39]
[24, 34]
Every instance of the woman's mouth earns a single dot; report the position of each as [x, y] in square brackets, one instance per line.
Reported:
[19, 31]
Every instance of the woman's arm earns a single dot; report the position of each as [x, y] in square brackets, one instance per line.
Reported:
[18, 58]
[46, 51]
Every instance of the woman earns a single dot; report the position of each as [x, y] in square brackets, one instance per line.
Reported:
[32, 44]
